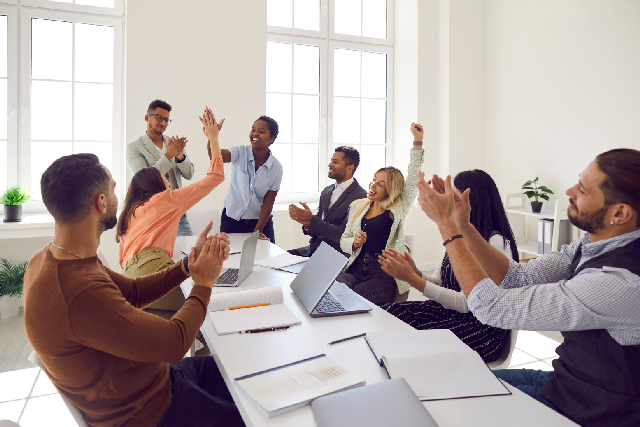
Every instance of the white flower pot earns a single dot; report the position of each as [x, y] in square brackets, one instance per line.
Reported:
[9, 307]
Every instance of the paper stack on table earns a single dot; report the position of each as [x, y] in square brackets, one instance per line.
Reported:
[284, 388]
[435, 364]
[249, 310]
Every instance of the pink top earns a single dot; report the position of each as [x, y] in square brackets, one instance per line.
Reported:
[155, 223]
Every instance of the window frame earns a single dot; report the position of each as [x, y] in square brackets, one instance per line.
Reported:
[11, 12]
[24, 141]
[327, 39]
[116, 10]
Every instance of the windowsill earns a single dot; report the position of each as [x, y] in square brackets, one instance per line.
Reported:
[32, 225]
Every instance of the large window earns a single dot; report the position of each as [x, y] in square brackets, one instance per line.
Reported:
[70, 97]
[329, 83]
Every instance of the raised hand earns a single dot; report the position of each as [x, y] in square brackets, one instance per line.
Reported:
[418, 131]
[210, 127]
[359, 239]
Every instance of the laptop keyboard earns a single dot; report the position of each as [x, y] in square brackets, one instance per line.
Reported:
[229, 277]
[328, 305]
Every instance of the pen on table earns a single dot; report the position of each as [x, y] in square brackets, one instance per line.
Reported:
[346, 339]
[255, 331]
[247, 306]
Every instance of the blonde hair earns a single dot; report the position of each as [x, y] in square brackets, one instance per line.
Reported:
[394, 182]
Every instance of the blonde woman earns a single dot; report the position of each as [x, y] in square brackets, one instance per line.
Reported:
[377, 223]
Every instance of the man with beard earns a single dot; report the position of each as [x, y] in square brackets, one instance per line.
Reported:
[163, 153]
[589, 290]
[328, 224]
[85, 322]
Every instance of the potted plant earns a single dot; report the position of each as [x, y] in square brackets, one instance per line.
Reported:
[537, 191]
[12, 200]
[11, 281]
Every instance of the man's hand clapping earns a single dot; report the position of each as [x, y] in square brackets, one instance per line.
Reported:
[175, 148]
[302, 215]
[206, 268]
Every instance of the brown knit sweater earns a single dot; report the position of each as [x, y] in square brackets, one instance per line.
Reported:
[98, 347]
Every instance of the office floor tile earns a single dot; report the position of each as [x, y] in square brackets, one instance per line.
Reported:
[43, 386]
[17, 384]
[519, 357]
[536, 345]
[47, 411]
[11, 410]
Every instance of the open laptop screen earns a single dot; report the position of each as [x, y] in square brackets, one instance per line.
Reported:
[317, 275]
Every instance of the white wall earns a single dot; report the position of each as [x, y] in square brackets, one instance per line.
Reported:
[562, 86]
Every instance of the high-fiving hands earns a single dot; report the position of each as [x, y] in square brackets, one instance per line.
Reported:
[210, 127]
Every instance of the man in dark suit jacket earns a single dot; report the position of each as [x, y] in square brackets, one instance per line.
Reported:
[328, 224]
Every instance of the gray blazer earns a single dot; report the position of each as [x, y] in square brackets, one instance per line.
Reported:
[143, 153]
[335, 219]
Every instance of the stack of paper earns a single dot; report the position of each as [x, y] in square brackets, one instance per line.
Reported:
[281, 261]
[435, 364]
[248, 310]
[291, 386]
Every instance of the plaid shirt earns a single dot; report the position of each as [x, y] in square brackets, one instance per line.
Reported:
[536, 296]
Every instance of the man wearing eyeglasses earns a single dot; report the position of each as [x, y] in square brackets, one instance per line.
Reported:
[163, 153]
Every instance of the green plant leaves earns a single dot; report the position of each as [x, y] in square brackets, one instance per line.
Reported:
[536, 191]
[15, 196]
[11, 278]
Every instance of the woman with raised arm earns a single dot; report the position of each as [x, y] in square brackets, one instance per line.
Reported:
[256, 176]
[377, 223]
[447, 305]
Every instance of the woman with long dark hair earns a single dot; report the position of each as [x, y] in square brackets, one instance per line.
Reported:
[447, 306]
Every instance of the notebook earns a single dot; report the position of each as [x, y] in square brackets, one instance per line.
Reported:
[435, 364]
[383, 404]
[285, 388]
[268, 311]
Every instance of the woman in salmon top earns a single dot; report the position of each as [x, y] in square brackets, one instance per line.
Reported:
[149, 221]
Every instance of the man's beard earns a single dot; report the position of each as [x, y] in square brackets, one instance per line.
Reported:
[110, 219]
[589, 222]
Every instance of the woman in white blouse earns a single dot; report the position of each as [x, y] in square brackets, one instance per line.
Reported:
[447, 306]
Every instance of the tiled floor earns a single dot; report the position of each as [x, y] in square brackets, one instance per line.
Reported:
[30, 399]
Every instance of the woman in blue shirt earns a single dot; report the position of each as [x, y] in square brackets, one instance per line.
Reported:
[255, 180]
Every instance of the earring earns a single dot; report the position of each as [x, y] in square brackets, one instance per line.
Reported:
[612, 223]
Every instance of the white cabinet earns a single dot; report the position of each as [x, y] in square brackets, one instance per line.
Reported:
[521, 218]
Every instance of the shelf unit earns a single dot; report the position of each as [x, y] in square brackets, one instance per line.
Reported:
[518, 209]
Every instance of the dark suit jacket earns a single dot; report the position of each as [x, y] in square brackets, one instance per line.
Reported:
[335, 219]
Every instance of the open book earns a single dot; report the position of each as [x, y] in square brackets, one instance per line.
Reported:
[281, 262]
[291, 386]
[248, 310]
[435, 364]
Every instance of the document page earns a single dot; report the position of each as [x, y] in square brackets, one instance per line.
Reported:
[244, 319]
[410, 342]
[445, 375]
[226, 300]
[280, 261]
[281, 389]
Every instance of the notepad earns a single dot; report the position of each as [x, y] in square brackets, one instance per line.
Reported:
[281, 261]
[435, 364]
[284, 388]
[275, 314]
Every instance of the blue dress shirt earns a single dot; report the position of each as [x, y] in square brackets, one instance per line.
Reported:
[247, 186]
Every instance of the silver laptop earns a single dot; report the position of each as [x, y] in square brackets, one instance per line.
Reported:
[235, 276]
[313, 286]
[383, 404]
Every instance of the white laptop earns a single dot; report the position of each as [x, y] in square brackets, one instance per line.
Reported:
[314, 286]
[235, 276]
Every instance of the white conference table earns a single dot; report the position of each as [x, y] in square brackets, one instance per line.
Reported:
[238, 355]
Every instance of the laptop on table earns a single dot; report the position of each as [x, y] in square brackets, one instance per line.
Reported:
[235, 276]
[314, 286]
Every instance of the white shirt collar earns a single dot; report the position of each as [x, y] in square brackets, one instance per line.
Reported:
[345, 184]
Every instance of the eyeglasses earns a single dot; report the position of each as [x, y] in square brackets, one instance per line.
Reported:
[160, 118]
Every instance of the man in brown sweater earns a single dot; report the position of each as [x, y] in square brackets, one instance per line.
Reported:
[85, 322]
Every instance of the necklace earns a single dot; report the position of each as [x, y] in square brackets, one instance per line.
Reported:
[60, 247]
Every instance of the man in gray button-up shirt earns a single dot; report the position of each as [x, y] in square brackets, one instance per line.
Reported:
[154, 149]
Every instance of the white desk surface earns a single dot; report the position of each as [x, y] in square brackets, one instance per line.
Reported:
[238, 355]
